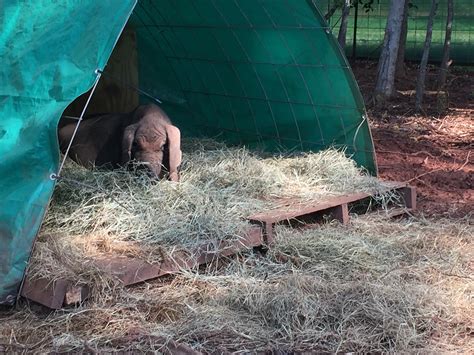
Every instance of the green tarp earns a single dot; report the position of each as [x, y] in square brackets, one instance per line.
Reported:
[49, 51]
[267, 74]
[261, 73]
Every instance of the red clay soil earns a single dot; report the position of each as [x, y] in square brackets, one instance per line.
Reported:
[433, 150]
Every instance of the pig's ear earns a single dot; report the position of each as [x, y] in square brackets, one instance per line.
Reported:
[174, 145]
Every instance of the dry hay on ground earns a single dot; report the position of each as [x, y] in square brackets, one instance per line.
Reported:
[97, 213]
[372, 286]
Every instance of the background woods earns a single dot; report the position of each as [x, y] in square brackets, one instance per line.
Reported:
[361, 32]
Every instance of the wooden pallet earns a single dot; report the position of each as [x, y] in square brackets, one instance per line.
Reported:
[132, 271]
[59, 293]
[295, 212]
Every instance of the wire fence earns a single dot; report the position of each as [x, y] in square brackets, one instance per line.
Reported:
[366, 29]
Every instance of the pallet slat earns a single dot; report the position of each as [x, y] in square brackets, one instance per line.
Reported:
[131, 271]
[59, 293]
[335, 207]
[54, 294]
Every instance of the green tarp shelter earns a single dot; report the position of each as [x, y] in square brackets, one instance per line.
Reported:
[264, 73]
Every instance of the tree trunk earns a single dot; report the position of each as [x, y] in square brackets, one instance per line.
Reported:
[385, 88]
[420, 84]
[401, 69]
[354, 39]
[341, 37]
[447, 46]
[331, 11]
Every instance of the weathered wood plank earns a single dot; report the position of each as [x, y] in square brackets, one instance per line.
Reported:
[132, 270]
[54, 294]
[293, 208]
[336, 207]
[112, 95]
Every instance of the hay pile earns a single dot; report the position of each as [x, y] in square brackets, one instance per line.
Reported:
[118, 213]
[372, 286]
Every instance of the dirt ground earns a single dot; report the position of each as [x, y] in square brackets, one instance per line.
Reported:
[433, 150]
